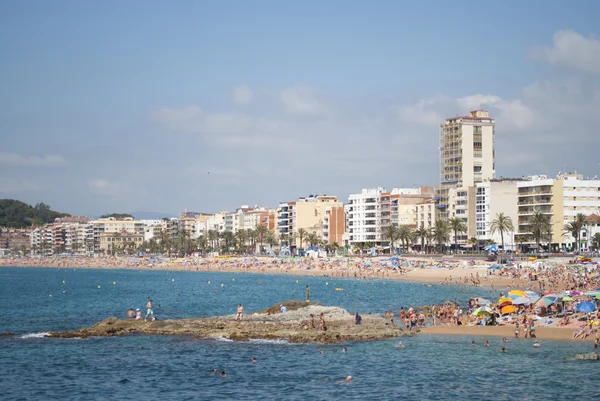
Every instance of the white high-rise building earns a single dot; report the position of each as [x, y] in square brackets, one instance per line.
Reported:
[492, 198]
[467, 154]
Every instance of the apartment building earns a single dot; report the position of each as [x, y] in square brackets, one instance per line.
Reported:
[15, 238]
[334, 225]
[467, 154]
[113, 225]
[312, 214]
[426, 213]
[403, 204]
[367, 213]
[561, 199]
[494, 197]
[117, 242]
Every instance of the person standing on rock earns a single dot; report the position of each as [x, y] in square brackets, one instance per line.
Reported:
[323, 326]
[357, 319]
[149, 311]
[240, 312]
[307, 294]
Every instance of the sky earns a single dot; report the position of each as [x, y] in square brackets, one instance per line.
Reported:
[204, 106]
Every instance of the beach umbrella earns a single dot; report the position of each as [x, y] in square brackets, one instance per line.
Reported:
[567, 299]
[546, 301]
[531, 293]
[508, 309]
[550, 293]
[514, 296]
[586, 307]
[522, 301]
[517, 292]
[482, 311]
[598, 296]
[503, 304]
[503, 300]
[483, 302]
[592, 293]
[575, 293]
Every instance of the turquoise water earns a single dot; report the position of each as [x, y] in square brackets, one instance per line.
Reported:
[155, 367]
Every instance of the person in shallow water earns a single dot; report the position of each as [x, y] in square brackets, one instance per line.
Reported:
[130, 314]
[253, 359]
[223, 373]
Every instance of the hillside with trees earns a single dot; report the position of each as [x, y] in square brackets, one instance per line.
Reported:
[118, 216]
[17, 214]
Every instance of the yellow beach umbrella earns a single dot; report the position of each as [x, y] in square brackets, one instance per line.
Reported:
[508, 309]
[517, 292]
[503, 300]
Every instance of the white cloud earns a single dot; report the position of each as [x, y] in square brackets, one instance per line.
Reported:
[16, 159]
[303, 101]
[571, 49]
[98, 184]
[242, 95]
[12, 185]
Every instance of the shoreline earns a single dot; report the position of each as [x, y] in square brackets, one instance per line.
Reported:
[425, 275]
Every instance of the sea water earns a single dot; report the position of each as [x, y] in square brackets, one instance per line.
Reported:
[34, 301]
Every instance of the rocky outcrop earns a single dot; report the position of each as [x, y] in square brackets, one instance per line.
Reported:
[591, 356]
[293, 326]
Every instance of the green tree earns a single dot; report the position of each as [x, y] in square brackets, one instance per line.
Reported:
[312, 239]
[502, 224]
[596, 241]
[474, 243]
[441, 232]
[421, 233]
[405, 235]
[457, 225]
[262, 232]
[391, 233]
[301, 235]
[520, 239]
[575, 227]
[539, 227]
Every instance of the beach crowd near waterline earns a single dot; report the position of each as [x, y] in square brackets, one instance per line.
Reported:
[561, 287]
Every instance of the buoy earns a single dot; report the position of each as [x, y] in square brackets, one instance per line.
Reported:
[222, 285]
[98, 286]
[114, 283]
[296, 281]
[232, 279]
[172, 279]
[209, 282]
[63, 281]
[326, 283]
[339, 289]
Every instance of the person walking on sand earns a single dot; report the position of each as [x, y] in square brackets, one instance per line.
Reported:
[240, 312]
[149, 311]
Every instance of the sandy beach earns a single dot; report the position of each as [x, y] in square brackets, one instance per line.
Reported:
[542, 333]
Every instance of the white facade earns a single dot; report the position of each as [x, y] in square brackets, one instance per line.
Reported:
[364, 220]
[561, 199]
[467, 154]
[492, 198]
[426, 214]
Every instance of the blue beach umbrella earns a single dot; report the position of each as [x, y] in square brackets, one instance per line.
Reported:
[586, 307]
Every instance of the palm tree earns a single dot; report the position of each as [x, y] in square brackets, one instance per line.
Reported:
[253, 237]
[262, 232]
[457, 225]
[240, 240]
[596, 241]
[502, 223]
[390, 232]
[335, 246]
[405, 235]
[202, 243]
[441, 231]
[313, 239]
[473, 242]
[421, 233]
[539, 227]
[575, 227]
[519, 239]
[271, 239]
[213, 238]
[301, 235]
[429, 237]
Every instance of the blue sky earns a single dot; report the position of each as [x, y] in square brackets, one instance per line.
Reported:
[160, 106]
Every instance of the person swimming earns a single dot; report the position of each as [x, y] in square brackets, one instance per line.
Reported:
[536, 343]
[400, 345]
[253, 359]
[223, 373]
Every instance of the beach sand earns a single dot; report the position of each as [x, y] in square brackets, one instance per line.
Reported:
[542, 333]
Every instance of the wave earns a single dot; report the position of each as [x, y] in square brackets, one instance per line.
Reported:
[35, 335]
[218, 338]
[265, 341]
